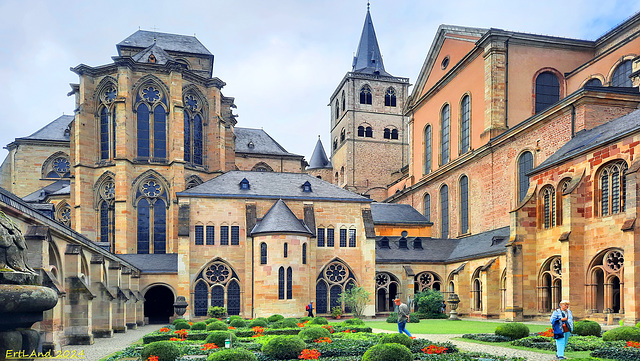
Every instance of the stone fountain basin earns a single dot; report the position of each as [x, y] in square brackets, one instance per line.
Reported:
[22, 305]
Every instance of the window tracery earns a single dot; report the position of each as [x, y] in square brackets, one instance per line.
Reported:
[151, 122]
[151, 203]
[107, 121]
[63, 214]
[105, 201]
[550, 284]
[334, 279]
[548, 207]
[390, 97]
[427, 281]
[194, 117]
[605, 282]
[613, 192]
[57, 166]
[365, 95]
[222, 282]
[387, 286]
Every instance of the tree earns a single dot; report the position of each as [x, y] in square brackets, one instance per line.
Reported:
[356, 298]
[429, 303]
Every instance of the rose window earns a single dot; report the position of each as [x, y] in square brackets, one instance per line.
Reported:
[192, 102]
[335, 273]
[109, 190]
[556, 266]
[61, 165]
[150, 94]
[218, 273]
[65, 215]
[151, 188]
[382, 279]
[614, 260]
[425, 279]
[109, 95]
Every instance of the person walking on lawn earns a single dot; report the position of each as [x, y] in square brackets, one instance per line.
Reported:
[562, 324]
[403, 316]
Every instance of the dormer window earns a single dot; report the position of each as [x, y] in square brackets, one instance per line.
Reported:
[251, 145]
[152, 58]
[244, 184]
[417, 243]
[402, 243]
[384, 242]
[306, 187]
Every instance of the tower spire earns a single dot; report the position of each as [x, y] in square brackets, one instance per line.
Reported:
[368, 58]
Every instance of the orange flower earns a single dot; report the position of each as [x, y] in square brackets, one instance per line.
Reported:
[308, 354]
[633, 344]
[328, 327]
[323, 340]
[258, 329]
[152, 358]
[349, 331]
[181, 333]
[433, 349]
[208, 346]
[257, 335]
[547, 333]
[164, 329]
[175, 339]
[231, 328]
[300, 324]
[190, 323]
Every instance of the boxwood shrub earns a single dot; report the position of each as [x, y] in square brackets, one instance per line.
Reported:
[275, 318]
[587, 328]
[217, 326]
[351, 329]
[617, 353]
[218, 337]
[388, 352]
[624, 333]
[305, 318]
[400, 338]
[414, 318]
[284, 347]
[344, 347]
[286, 323]
[308, 334]
[165, 350]
[234, 317]
[353, 321]
[177, 320]
[209, 320]
[514, 330]
[319, 321]
[486, 337]
[238, 323]
[259, 322]
[182, 326]
[392, 318]
[420, 343]
[199, 326]
[232, 354]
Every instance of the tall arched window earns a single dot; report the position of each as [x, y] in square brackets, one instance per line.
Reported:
[394, 133]
[360, 131]
[427, 206]
[465, 124]
[525, 164]
[56, 166]
[548, 207]
[107, 115]
[365, 95]
[331, 282]
[547, 90]
[193, 129]
[368, 132]
[464, 205]
[223, 283]
[390, 97]
[444, 211]
[200, 298]
[289, 283]
[281, 284]
[263, 253]
[285, 251]
[151, 119]
[550, 284]
[343, 135]
[106, 211]
[613, 192]
[304, 253]
[344, 104]
[427, 149]
[621, 75]
[337, 109]
[151, 201]
[444, 134]
[605, 281]
[476, 291]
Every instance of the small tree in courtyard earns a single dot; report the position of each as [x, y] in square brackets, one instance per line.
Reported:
[429, 303]
[356, 298]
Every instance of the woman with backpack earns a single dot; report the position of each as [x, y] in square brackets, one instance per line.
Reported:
[309, 309]
[562, 325]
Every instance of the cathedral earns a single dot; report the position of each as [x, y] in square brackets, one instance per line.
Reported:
[506, 176]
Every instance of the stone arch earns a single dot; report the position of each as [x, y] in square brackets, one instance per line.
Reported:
[550, 284]
[614, 67]
[192, 181]
[605, 281]
[262, 167]
[387, 288]
[193, 89]
[333, 278]
[147, 80]
[151, 174]
[476, 290]
[427, 280]
[561, 83]
[158, 305]
[592, 77]
[223, 286]
[106, 177]
[55, 262]
[63, 213]
[105, 83]
[56, 166]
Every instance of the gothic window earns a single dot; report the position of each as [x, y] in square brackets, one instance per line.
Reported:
[613, 188]
[281, 285]
[620, 77]
[344, 107]
[211, 235]
[63, 214]
[548, 207]
[105, 201]
[192, 181]
[337, 110]
[365, 95]
[444, 134]
[235, 235]
[56, 166]
[342, 135]
[390, 97]
[320, 237]
[335, 144]
[151, 203]
[285, 251]
[289, 283]
[368, 132]
[550, 284]
[331, 282]
[304, 253]
[593, 82]
[465, 125]
[200, 299]
[563, 185]
[427, 281]
[151, 119]
[503, 290]
[330, 237]
[107, 122]
[525, 164]
[387, 286]
[444, 211]
[352, 238]
[199, 236]
[224, 235]
[262, 167]
[263, 253]
[464, 205]
[547, 90]
[476, 291]
[605, 281]
[360, 131]
[194, 116]
[223, 283]
[427, 149]
[427, 206]
[343, 237]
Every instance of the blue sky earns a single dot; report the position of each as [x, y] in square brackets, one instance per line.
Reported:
[281, 59]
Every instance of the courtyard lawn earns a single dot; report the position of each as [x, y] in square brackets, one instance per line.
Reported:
[448, 327]
[569, 354]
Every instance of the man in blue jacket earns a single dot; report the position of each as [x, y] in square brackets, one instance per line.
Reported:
[562, 324]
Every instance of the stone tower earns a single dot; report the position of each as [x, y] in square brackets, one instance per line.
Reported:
[368, 129]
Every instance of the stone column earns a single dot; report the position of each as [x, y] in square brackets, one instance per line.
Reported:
[130, 304]
[79, 305]
[139, 306]
[102, 314]
[118, 303]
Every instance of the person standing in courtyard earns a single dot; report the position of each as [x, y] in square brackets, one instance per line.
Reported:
[562, 324]
[310, 309]
[403, 317]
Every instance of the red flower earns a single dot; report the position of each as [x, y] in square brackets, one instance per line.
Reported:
[547, 333]
[308, 354]
[633, 344]
[231, 328]
[323, 340]
[152, 358]
[175, 339]
[433, 349]
[328, 327]
[208, 346]
[164, 329]
[258, 329]
[181, 333]
[349, 331]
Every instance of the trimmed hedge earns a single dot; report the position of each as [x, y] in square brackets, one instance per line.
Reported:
[396, 338]
[392, 318]
[318, 321]
[165, 350]
[313, 333]
[388, 352]
[286, 323]
[414, 318]
[354, 321]
[233, 354]
[624, 333]
[275, 318]
[155, 337]
[234, 317]
[486, 337]
[259, 322]
[209, 320]
[219, 337]
[587, 328]
[199, 326]
[238, 323]
[514, 330]
[284, 347]
[182, 326]
[217, 326]
[617, 353]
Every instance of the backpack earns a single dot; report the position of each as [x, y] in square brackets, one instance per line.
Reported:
[307, 309]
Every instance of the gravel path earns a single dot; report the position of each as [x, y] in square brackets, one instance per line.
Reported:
[476, 347]
[103, 347]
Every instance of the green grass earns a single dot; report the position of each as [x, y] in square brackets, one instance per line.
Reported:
[448, 327]
[571, 355]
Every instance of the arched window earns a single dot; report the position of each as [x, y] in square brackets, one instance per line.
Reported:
[547, 90]
[262, 167]
[304, 253]
[368, 132]
[427, 281]
[550, 284]
[331, 282]
[344, 104]
[365, 95]
[281, 285]
[63, 213]
[593, 82]
[200, 298]
[394, 133]
[335, 144]
[605, 281]
[387, 287]
[390, 97]
[337, 110]
[548, 207]
[620, 77]
[427, 207]
[387, 133]
[444, 134]
[107, 121]
[464, 205]
[223, 283]
[151, 119]
[342, 135]
[285, 251]
[444, 211]
[151, 202]
[192, 181]
[613, 192]
[289, 283]
[427, 149]
[360, 131]
[105, 200]
[476, 291]
[263, 253]
[465, 124]
[525, 164]
[56, 166]
[193, 129]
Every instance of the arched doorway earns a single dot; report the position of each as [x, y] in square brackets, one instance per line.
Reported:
[158, 304]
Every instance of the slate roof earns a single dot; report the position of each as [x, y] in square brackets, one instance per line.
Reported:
[280, 219]
[153, 263]
[257, 141]
[161, 56]
[590, 139]
[271, 185]
[169, 42]
[440, 250]
[54, 130]
[319, 158]
[59, 187]
[395, 213]
[368, 58]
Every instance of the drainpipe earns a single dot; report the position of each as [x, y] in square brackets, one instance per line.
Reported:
[506, 86]
[573, 121]
[253, 281]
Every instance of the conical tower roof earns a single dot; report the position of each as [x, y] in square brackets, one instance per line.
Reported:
[368, 58]
[319, 158]
[280, 219]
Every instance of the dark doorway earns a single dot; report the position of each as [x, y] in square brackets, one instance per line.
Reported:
[158, 304]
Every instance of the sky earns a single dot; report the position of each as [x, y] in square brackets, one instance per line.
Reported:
[281, 60]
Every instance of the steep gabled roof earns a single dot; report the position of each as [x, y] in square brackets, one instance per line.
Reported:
[319, 158]
[160, 55]
[57, 130]
[280, 219]
[59, 187]
[368, 58]
[153, 263]
[396, 213]
[257, 141]
[168, 42]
